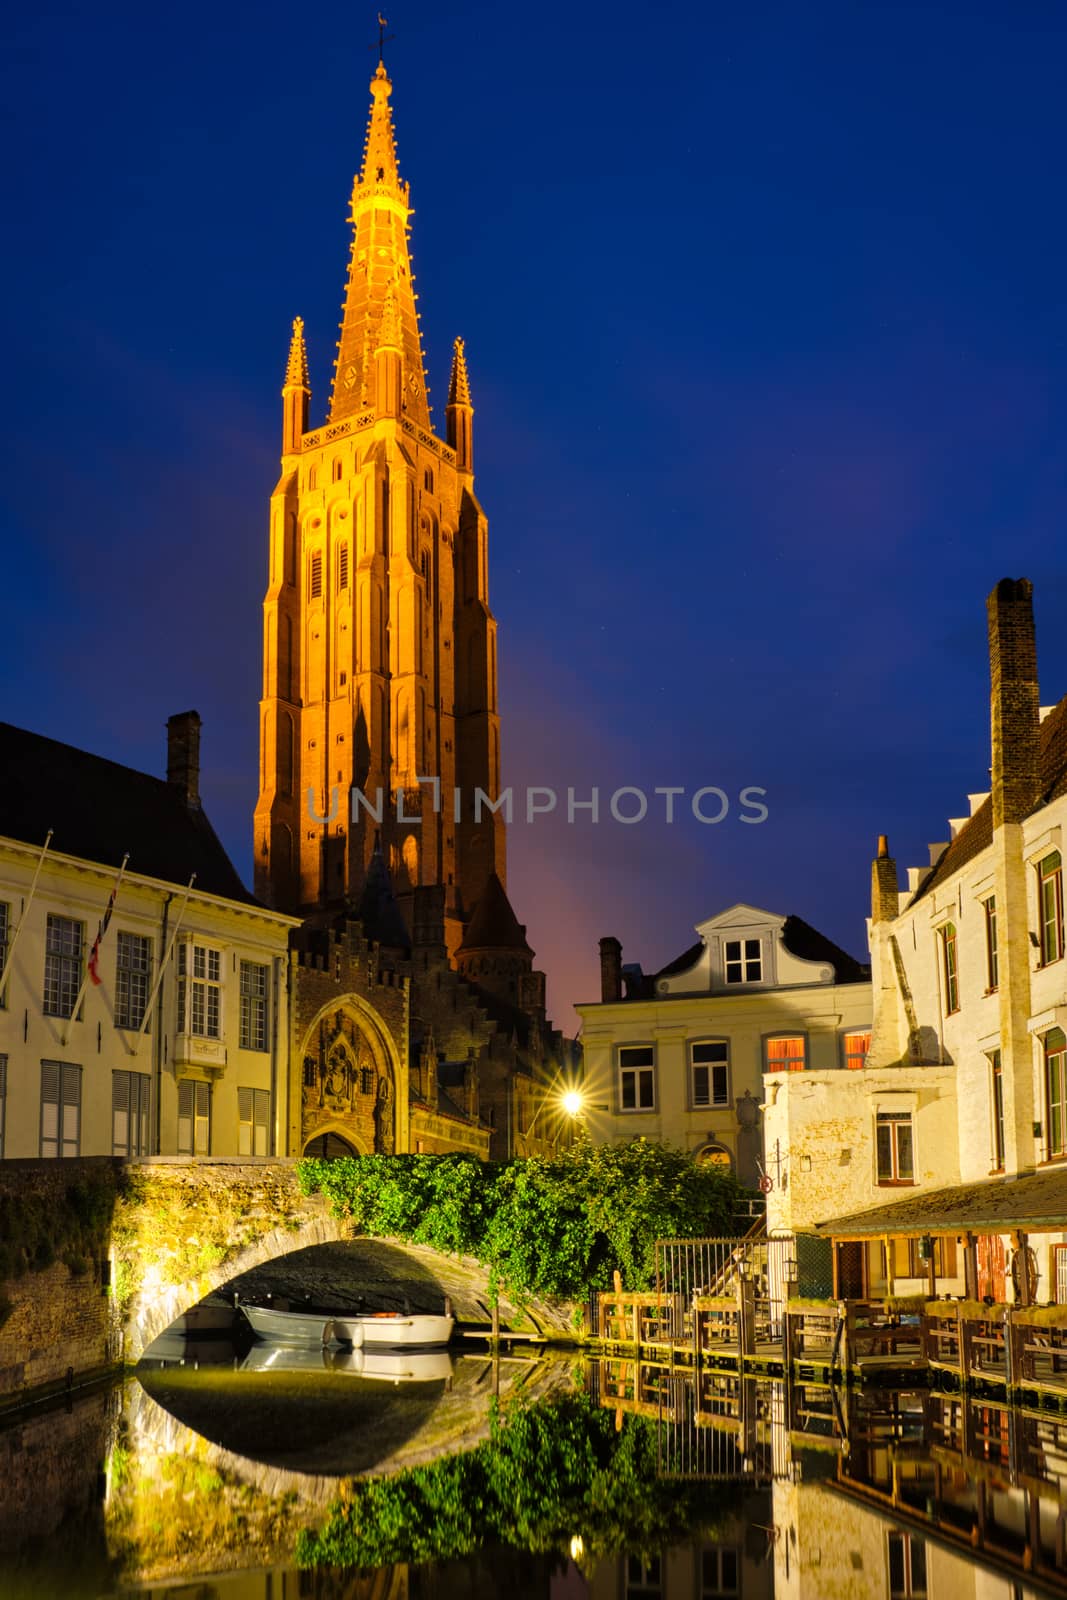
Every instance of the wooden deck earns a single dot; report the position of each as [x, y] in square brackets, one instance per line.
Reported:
[1003, 1352]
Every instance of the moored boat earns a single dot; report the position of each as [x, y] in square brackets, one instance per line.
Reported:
[393, 1329]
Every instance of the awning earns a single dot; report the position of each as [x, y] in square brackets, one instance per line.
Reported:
[1033, 1202]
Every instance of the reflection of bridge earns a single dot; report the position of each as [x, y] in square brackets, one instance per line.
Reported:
[184, 1229]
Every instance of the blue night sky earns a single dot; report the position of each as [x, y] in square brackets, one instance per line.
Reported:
[765, 316]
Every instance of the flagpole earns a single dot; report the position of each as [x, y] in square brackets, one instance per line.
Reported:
[25, 914]
[96, 944]
[150, 1002]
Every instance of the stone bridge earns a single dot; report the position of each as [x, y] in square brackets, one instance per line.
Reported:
[183, 1229]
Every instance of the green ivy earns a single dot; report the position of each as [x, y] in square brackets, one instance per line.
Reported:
[559, 1227]
[545, 1473]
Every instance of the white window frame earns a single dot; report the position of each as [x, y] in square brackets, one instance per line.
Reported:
[199, 984]
[641, 1071]
[253, 1122]
[132, 982]
[711, 1102]
[912, 1588]
[744, 960]
[194, 1109]
[68, 1098]
[64, 969]
[131, 1113]
[254, 1006]
[894, 1120]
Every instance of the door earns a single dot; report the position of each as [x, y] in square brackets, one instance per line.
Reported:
[852, 1270]
[991, 1265]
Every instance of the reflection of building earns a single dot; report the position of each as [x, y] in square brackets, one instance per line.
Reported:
[681, 1055]
[180, 1048]
[418, 1019]
[966, 1083]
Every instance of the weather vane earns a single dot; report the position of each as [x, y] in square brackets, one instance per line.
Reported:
[383, 23]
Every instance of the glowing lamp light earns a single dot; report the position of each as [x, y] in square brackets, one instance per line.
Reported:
[572, 1103]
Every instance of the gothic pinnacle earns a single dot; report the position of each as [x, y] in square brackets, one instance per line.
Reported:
[459, 389]
[296, 371]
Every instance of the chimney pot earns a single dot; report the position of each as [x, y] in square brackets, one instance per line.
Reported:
[1015, 712]
[183, 755]
[610, 970]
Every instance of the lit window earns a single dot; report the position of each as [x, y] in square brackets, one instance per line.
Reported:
[1056, 1091]
[743, 961]
[253, 1122]
[253, 1006]
[61, 1097]
[133, 971]
[894, 1147]
[950, 968]
[194, 1118]
[315, 585]
[130, 1103]
[857, 1048]
[709, 1061]
[992, 960]
[637, 1077]
[906, 1560]
[996, 1105]
[199, 991]
[786, 1054]
[62, 965]
[1050, 897]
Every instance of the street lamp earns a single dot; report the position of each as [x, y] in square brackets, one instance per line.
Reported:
[570, 1103]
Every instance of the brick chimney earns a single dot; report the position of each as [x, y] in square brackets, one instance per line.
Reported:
[1015, 700]
[183, 755]
[885, 897]
[610, 970]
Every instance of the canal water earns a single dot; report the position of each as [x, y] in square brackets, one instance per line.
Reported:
[234, 1474]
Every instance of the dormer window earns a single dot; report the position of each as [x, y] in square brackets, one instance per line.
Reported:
[743, 961]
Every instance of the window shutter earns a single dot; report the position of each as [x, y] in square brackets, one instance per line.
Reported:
[120, 1091]
[50, 1082]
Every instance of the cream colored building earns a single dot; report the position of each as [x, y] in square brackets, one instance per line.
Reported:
[682, 1055]
[181, 1046]
[966, 1082]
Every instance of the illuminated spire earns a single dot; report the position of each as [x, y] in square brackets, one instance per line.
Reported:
[296, 371]
[379, 271]
[459, 388]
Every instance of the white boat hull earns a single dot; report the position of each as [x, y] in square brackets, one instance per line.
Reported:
[319, 1328]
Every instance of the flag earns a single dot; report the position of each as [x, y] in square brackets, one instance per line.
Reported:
[94, 953]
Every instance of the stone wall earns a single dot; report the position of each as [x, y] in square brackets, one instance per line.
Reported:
[56, 1318]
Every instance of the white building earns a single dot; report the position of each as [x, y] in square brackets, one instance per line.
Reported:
[175, 1041]
[681, 1055]
[965, 1087]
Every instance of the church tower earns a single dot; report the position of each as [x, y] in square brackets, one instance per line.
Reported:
[379, 712]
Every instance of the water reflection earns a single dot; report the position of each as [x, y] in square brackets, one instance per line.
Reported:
[561, 1481]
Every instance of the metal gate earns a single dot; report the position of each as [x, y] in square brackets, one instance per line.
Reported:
[688, 1267]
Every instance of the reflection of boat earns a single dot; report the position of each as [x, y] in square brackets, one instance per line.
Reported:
[390, 1328]
[395, 1366]
[175, 1346]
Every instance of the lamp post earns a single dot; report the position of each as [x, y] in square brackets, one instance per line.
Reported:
[570, 1103]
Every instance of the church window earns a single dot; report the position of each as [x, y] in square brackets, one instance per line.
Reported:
[342, 565]
[342, 678]
[427, 479]
[709, 1061]
[337, 471]
[311, 1072]
[637, 1077]
[315, 584]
